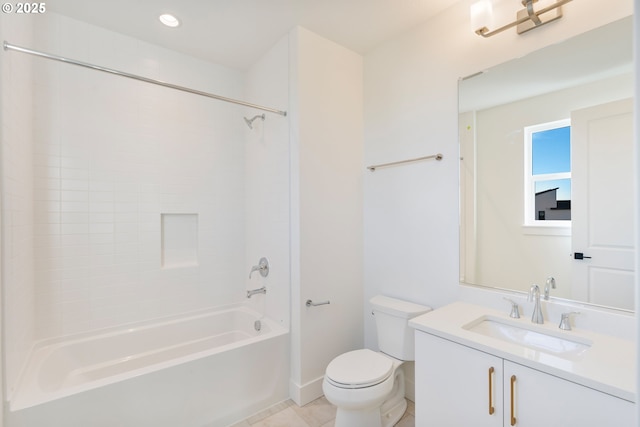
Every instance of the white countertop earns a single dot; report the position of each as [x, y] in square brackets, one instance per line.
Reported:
[608, 365]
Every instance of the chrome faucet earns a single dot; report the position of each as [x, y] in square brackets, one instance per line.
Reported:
[551, 282]
[262, 267]
[515, 311]
[534, 295]
[565, 320]
[262, 290]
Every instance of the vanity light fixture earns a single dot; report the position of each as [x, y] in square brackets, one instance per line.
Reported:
[526, 19]
[169, 20]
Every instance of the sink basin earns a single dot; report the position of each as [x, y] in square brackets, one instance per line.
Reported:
[529, 338]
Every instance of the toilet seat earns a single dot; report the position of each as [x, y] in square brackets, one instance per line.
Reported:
[359, 369]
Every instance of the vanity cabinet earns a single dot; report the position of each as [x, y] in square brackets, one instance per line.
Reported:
[453, 387]
[460, 386]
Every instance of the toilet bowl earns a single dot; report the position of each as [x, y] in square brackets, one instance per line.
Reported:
[366, 386]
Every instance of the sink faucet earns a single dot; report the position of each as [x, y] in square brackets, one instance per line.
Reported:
[534, 295]
[551, 282]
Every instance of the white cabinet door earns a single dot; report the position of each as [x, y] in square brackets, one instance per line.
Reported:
[540, 399]
[456, 386]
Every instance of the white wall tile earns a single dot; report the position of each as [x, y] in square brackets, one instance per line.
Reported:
[101, 227]
[74, 240]
[101, 189]
[74, 184]
[101, 217]
[74, 228]
[100, 207]
[74, 206]
[19, 174]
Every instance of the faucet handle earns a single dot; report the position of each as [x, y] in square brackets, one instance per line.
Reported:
[534, 293]
[551, 283]
[515, 310]
[565, 320]
[262, 267]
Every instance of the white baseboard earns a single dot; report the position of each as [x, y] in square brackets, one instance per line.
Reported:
[308, 392]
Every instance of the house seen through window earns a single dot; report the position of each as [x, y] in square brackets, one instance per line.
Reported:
[548, 173]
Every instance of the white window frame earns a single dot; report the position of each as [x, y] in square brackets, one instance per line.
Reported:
[530, 222]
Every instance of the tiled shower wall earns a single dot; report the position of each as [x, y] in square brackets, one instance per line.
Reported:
[267, 175]
[17, 197]
[94, 166]
[112, 155]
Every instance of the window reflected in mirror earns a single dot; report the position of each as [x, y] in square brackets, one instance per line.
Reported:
[547, 195]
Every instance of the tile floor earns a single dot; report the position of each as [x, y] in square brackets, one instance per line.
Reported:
[319, 413]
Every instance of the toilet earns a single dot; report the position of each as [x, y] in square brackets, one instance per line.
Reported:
[367, 386]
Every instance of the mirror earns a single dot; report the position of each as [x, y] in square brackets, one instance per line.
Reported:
[524, 217]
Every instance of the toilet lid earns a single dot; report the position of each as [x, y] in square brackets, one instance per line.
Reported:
[359, 368]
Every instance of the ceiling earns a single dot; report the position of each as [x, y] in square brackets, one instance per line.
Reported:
[236, 33]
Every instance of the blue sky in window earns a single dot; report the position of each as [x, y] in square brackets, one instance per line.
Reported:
[551, 151]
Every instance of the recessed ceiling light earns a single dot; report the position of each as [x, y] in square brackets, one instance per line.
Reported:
[169, 20]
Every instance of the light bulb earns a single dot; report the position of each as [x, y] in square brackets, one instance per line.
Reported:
[481, 14]
[169, 20]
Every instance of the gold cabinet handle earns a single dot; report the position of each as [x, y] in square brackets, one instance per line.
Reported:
[513, 390]
[491, 408]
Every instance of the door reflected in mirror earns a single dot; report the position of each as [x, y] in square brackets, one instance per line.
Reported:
[546, 145]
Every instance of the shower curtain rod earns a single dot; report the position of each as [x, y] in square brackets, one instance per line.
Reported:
[8, 46]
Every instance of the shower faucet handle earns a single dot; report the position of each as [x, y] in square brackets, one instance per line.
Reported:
[262, 267]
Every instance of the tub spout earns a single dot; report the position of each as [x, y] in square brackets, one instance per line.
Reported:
[262, 290]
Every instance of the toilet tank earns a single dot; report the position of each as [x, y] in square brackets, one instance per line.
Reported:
[395, 336]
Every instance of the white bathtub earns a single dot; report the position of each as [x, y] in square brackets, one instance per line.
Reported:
[208, 369]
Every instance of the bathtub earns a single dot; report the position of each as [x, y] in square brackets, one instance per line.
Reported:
[210, 368]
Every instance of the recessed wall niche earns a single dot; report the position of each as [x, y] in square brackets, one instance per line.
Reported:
[179, 240]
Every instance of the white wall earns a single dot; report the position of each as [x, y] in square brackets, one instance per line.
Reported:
[411, 212]
[16, 145]
[326, 107]
[636, 23]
